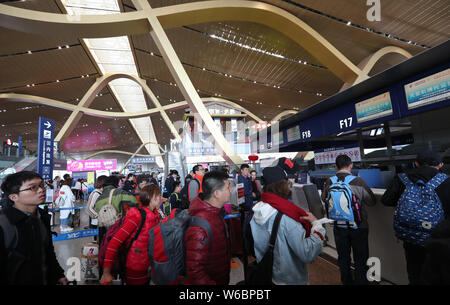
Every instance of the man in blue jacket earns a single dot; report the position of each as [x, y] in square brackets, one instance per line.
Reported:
[245, 179]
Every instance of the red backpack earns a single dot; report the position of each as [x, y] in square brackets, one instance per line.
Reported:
[119, 263]
[166, 250]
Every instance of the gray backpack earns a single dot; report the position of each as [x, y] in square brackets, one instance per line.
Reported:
[166, 246]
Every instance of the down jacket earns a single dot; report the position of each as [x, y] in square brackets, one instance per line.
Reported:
[206, 266]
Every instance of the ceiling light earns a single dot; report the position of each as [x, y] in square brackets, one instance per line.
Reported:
[29, 52]
[349, 23]
[59, 48]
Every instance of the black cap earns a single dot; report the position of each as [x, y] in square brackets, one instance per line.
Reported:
[273, 174]
[289, 166]
[429, 158]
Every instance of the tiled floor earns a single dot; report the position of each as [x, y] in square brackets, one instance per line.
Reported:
[321, 272]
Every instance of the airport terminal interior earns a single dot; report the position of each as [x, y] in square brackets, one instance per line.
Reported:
[145, 87]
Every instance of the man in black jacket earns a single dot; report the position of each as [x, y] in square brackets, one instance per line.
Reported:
[427, 165]
[170, 182]
[349, 239]
[27, 255]
[129, 184]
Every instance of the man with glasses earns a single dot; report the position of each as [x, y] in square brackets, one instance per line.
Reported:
[27, 256]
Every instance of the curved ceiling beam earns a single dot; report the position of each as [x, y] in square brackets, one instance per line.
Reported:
[100, 26]
[135, 153]
[118, 152]
[367, 64]
[25, 98]
[63, 25]
[282, 114]
[90, 95]
[112, 152]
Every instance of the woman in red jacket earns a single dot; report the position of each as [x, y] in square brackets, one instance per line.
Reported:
[137, 262]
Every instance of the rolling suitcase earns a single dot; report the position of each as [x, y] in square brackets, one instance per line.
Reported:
[89, 262]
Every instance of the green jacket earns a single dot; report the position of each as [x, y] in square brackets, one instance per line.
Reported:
[120, 199]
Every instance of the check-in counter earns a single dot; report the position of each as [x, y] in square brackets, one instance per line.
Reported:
[382, 241]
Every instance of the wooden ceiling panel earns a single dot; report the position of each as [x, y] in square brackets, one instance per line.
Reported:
[24, 42]
[426, 22]
[43, 67]
[65, 91]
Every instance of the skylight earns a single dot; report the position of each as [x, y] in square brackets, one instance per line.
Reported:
[114, 55]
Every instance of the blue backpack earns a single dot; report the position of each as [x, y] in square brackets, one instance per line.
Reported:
[419, 209]
[341, 204]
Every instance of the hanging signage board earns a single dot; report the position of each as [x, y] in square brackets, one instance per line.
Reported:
[46, 135]
[328, 156]
[143, 160]
[91, 165]
[432, 89]
[373, 108]
[293, 133]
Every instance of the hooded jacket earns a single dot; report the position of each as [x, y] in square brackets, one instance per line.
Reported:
[293, 250]
[66, 199]
[206, 266]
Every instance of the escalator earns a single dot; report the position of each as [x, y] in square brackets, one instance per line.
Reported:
[25, 164]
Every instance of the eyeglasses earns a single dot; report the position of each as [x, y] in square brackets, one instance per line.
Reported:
[35, 188]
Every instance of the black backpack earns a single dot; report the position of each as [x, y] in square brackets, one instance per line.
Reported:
[184, 194]
[261, 273]
[10, 234]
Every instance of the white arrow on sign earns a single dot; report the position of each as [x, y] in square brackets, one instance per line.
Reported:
[48, 124]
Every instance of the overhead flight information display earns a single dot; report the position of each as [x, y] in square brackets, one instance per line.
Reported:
[428, 90]
[293, 133]
[373, 108]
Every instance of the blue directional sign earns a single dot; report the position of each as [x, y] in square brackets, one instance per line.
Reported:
[46, 135]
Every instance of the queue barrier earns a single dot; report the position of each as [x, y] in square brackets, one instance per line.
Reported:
[61, 209]
[75, 235]
[94, 232]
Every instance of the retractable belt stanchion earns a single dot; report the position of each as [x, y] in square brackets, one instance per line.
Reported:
[244, 248]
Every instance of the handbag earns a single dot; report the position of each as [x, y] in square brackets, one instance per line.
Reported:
[261, 273]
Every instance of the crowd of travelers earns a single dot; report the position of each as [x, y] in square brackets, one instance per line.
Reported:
[148, 236]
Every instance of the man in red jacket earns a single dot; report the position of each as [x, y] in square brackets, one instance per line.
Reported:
[205, 264]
